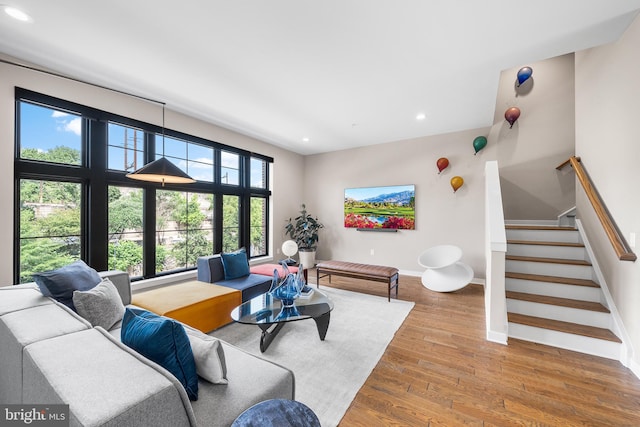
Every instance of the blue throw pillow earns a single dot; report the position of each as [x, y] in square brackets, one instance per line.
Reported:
[163, 341]
[59, 284]
[235, 264]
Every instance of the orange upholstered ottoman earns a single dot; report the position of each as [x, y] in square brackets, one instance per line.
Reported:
[201, 305]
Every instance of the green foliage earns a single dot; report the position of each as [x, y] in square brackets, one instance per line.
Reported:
[304, 230]
[193, 242]
[230, 223]
[125, 255]
[258, 226]
[59, 154]
[37, 255]
[125, 211]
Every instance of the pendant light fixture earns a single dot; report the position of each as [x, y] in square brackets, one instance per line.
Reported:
[161, 170]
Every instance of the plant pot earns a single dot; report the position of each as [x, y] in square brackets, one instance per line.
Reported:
[307, 258]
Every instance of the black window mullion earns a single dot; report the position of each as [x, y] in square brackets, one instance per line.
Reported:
[97, 218]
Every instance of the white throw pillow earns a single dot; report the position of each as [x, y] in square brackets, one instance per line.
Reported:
[209, 357]
[101, 305]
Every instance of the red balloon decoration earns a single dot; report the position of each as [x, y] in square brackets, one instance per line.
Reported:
[442, 164]
[511, 115]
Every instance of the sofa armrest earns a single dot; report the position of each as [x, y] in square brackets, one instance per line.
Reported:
[210, 268]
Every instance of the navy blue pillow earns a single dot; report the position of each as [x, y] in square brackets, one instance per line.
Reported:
[59, 284]
[235, 264]
[163, 341]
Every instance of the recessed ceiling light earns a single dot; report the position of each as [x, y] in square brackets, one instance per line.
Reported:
[16, 13]
[305, 139]
[421, 116]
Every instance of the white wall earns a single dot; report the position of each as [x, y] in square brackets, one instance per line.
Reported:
[442, 216]
[287, 167]
[607, 141]
[541, 139]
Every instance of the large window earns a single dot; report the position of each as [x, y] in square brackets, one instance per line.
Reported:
[73, 200]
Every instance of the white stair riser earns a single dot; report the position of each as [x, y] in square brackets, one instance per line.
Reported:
[550, 269]
[564, 314]
[559, 290]
[547, 251]
[569, 236]
[594, 346]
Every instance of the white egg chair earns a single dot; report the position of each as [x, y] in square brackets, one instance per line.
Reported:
[444, 270]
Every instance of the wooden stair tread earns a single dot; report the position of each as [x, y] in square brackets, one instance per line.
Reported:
[535, 242]
[552, 279]
[538, 227]
[562, 302]
[567, 327]
[548, 260]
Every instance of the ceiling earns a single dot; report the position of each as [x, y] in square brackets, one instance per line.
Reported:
[341, 73]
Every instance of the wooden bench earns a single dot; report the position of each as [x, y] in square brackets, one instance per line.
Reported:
[376, 273]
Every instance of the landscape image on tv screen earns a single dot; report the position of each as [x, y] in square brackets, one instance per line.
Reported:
[391, 207]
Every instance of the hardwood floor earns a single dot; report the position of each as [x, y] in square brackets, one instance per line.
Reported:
[440, 370]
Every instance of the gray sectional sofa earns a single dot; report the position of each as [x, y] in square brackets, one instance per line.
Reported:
[51, 355]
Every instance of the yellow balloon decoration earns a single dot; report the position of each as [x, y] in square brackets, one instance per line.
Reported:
[456, 182]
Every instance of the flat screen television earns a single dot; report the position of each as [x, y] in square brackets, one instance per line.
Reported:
[391, 207]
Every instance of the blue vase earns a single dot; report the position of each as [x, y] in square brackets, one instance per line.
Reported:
[289, 288]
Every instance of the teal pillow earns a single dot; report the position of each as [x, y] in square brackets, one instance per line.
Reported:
[235, 264]
[165, 342]
[59, 284]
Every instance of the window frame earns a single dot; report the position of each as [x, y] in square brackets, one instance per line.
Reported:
[95, 178]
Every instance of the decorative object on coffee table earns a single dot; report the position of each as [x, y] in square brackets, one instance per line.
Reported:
[289, 288]
[303, 230]
[445, 272]
[277, 412]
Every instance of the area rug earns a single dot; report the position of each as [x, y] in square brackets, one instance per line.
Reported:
[329, 373]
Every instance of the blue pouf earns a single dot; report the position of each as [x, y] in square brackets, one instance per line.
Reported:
[277, 413]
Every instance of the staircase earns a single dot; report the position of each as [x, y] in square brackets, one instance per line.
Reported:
[552, 297]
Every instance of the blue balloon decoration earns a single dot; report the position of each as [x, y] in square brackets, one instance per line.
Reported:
[523, 74]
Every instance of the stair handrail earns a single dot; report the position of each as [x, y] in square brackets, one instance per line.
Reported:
[620, 245]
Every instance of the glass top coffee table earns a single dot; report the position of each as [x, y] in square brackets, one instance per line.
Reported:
[270, 315]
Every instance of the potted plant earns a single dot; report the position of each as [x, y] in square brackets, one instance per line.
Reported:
[303, 230]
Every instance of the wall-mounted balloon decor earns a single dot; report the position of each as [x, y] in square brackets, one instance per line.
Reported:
[523, 74]
[442, 164]
[479, 143]
[511, 115]
[456, 182]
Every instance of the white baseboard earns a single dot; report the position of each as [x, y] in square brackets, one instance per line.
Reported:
[497, 337]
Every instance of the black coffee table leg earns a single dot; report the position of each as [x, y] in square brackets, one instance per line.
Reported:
[322, 323]
[268, 336]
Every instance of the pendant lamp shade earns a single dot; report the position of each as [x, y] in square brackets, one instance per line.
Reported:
[161, 170]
